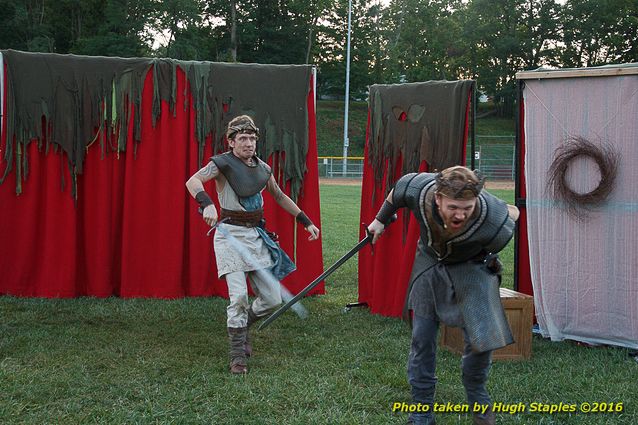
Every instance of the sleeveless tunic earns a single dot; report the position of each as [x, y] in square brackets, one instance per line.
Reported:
[228, 260]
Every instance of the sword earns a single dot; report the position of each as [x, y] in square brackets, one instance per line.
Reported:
[316, 282]
[363, 242]
[264, 274]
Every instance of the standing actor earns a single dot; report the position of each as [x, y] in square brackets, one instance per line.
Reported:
[455, 278]
[240, 178]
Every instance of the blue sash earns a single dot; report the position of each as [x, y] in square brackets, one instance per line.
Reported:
[283, 264]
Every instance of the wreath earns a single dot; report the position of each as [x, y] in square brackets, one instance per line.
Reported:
[605, 156]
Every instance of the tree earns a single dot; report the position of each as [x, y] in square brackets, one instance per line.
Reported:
[408, 40]
[265, 31]
[423, 40]
[37, 25]
[182, 26]
[366, 45]
[121, 30]
[597, 32]
[18, 27]
[538, 32]
[93, 27]
[507, 36]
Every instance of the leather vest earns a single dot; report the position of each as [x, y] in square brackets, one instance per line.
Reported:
[246, 180]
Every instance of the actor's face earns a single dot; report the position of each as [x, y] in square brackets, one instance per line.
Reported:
[455, 212]
[244, 145]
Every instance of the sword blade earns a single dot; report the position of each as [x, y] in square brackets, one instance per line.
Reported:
[265, 274]
[316, 282]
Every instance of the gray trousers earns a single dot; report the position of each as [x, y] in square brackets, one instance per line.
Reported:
[268, 297]
[422, 364]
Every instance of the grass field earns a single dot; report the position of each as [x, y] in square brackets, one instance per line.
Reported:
[145, 361]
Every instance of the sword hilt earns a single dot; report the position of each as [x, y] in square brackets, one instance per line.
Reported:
[217, 224]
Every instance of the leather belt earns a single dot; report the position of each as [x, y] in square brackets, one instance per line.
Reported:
[242, 218]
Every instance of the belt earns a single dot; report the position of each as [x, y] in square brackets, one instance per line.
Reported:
[242, 218]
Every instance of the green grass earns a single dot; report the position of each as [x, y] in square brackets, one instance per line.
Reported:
[507, 255]
[146, 361]
[494, 126]
[330, 127]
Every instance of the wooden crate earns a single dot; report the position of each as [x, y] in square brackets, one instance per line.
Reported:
[519, 309]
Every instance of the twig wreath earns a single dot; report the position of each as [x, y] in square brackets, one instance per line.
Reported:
[605, 156]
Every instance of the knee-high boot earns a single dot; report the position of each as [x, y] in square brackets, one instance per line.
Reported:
[237, 339]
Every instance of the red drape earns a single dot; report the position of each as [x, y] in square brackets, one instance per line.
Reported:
[134, 230]
[384, 270]
[523, 277]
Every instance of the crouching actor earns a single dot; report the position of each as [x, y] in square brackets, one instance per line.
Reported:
[455, 278]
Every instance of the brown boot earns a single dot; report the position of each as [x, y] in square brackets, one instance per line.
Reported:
[487, 419]
[238, 361]
[248, 348]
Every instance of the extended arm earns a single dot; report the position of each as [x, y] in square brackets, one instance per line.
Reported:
[382, 218]
[195, 186]
[287, 204]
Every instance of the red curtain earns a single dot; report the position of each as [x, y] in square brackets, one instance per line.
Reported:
[134, 230]
[385, 268]
[523, 273]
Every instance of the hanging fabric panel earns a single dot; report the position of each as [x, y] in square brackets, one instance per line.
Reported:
[411, 127]
[125, 225]
[583, 266]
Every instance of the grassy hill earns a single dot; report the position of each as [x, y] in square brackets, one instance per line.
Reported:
[330, 127]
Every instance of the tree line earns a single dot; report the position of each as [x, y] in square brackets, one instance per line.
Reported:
[391, 41]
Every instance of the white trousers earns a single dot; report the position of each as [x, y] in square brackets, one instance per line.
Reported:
[268, 297]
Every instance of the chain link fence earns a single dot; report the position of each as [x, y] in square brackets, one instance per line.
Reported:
[332, 166]
[493, 155]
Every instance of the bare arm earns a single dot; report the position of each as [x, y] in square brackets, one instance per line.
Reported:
[281, 198]
[513, 212]
[196, 183]
[287, 204]
[195, 186]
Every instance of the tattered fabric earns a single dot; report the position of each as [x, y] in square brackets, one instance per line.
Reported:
[67, 100]
[134, 230]
[412, 127]
[416, 122]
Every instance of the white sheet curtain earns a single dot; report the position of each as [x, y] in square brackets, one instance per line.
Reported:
[584, 271]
